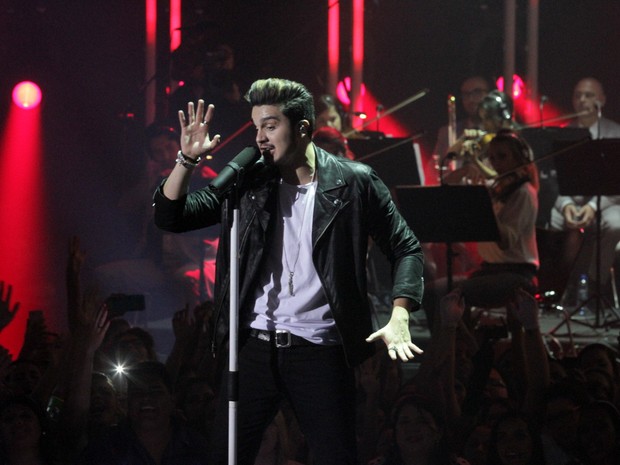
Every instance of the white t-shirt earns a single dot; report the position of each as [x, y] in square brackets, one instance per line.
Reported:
[290, 295]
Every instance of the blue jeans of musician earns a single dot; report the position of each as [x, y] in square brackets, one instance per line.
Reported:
[319, 386]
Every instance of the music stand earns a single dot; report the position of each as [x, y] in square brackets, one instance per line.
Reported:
[394, 159]
[591, 168]
[543, 141]
[448, 214]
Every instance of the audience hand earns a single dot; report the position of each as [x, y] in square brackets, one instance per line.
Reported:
[76, 256]
[93, 322]
[7, 313]
[369, 376]
[184, 325]
[74, 266]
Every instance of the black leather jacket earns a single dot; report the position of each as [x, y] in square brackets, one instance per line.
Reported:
[351, 205]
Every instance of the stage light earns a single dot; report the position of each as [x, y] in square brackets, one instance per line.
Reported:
[518, 86]
[344, 88]
[27, 95]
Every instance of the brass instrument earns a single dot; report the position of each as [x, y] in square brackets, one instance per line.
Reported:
[438, 157]
[474, 145]
[470, 148]
[451, 120]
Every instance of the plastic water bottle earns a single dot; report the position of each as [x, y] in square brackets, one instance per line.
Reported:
[582, 292]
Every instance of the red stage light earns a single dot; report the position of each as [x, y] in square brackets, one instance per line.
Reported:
[518, 86]
[344, 88]
[27, 95]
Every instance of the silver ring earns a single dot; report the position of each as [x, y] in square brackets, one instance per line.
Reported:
[392, 348]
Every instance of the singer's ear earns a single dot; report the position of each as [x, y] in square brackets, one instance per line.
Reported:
[303, 127]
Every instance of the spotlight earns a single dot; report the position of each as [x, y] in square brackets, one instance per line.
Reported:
[27, 95]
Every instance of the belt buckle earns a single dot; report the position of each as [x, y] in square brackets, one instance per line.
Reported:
[283, 339]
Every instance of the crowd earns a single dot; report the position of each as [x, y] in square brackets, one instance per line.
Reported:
[478, 396]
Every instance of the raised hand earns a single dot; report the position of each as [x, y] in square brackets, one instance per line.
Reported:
[369, 376]
[76, 256]
[74, 266]
[184, 325]
[98, 327]
[195, 140]
[7, 313]
[92, 322]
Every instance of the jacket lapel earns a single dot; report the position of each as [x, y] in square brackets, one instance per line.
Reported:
[329, 196]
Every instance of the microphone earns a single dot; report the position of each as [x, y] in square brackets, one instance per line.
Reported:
[541, 106]
[599, 106]
[235, 169]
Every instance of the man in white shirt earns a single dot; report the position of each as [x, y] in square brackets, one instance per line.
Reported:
[579, 212]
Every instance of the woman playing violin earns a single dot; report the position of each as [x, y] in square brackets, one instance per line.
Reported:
[512, 261]
[500, 161]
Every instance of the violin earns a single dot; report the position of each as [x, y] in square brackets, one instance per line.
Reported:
[505, 185]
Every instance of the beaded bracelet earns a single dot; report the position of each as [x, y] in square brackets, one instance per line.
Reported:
[187, 162]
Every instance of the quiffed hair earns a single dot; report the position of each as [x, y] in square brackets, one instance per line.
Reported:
[294, 100]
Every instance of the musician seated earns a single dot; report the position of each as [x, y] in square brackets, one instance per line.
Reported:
[468, 155]
[512, 262]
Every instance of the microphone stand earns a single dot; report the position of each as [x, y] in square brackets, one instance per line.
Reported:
[598, 219]
[232, 202]
[379, 110]
[450, 253]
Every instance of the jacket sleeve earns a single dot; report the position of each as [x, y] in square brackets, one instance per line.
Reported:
[195, 210]
[397, 241]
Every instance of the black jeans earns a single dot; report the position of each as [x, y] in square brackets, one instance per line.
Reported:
[319, 386]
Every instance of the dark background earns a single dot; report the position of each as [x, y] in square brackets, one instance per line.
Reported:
[88, 58]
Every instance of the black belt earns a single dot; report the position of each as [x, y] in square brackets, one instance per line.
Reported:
[280, 337]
